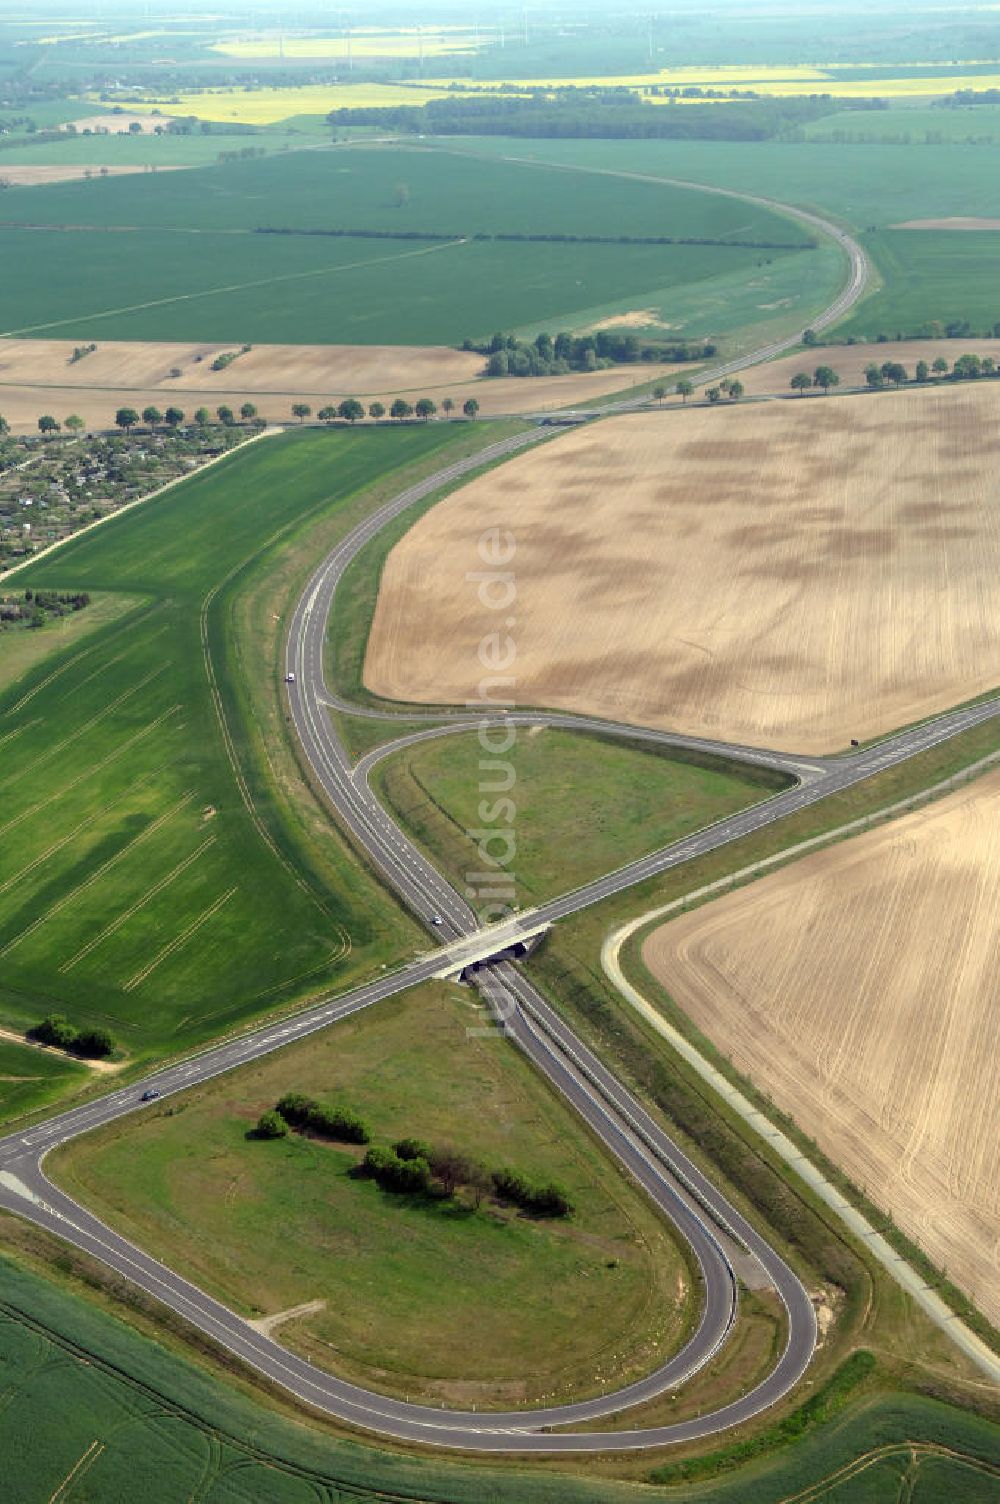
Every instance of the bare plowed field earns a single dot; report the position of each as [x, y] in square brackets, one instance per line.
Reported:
[859, 988]
[30, 176]
[787, 574]
[37, 376]
[849, 361]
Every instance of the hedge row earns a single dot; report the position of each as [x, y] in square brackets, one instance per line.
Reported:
[89, 1044]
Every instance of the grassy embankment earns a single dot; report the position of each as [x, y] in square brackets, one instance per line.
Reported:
[153, 279]
[161, 876]
[559, 1308]
[583, 805]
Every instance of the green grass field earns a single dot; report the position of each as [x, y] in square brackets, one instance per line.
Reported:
[937, 275]
[584, 805]
[268, 1226]
[152, 879]
[82, 1390]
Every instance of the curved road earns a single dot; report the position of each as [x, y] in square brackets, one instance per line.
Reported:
[716, 1232]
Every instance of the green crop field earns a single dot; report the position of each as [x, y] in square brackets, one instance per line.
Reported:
[930, 275]
[398, 189]
[152, 278]
[973, 124]
[82, 1390]
[150, 881]
[927, 275]
[584, 805]
[21, 649]
[147, 150]
[163, 284]
[267, 1226]
[863, 185]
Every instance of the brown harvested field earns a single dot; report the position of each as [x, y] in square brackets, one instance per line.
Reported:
[787, 574]
[36, 377]
[120, 125]
[954, 222]
[859, 988]
[30, 177]
[849, 361]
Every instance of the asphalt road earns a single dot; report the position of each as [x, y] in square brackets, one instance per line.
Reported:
[716, 1232]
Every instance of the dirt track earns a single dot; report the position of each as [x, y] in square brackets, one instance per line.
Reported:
[859, 988]
[788, 575]
[29, 177]
[36, 377]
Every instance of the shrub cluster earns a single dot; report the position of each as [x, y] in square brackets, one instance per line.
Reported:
[228, 356]
[310, 1116]
[89, 1044]
[549, 355]
[392, 1172]
[546, 1200]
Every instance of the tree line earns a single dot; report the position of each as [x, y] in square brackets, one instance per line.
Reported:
[411, 1166]
[36, 606]
[617, 113]
[352, 411]
[894, 373]
[548, 355]
[554, 238]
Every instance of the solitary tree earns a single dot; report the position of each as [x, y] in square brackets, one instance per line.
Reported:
[895, 373]
[327, 414]
[226, 416]
[127, 418]
[713, 394]
[173, 417]
[48, 424]
[301, 410]
[376, 410]
[736, 390]
[351, 409]
[74, 423]
[447, 407]
[940, 366]
[152, 416]
[801, 382]
[684, 388]
[4, 426]
[202, 417]
[470, 407]
[874, 377]
[923, 370]
[400, 409]
[248, 412]
[810, 337]
[425, 408]
[825, 377]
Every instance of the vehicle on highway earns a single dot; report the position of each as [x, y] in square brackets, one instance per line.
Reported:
[149, 1096]
[289, 678]
[436, 919]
